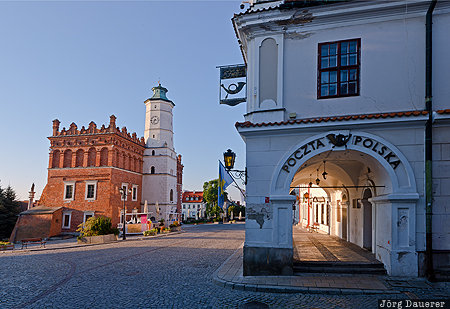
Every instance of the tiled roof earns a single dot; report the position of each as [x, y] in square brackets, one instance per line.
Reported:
[197, 195]
[443, 111]
[289, 4]
[248, 124]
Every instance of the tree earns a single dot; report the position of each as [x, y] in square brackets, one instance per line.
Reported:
[210, 195]
[236, 209]
[9, 209]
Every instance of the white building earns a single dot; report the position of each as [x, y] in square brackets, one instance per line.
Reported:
[193, 206]
[340, 87]
[160, 159]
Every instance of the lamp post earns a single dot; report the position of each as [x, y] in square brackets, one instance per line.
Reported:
[229, 157]
[124, 192]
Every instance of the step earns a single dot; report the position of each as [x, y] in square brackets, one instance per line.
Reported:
[337, 264]
[339, 267]
[369, 271]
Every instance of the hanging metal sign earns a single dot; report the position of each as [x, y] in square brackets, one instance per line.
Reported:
[233, 84]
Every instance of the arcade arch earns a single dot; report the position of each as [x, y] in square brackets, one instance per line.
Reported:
[368, 182]
[333, 192]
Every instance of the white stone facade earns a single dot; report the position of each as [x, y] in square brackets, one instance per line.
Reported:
[193, 206]
[375, 188]
[160, 159]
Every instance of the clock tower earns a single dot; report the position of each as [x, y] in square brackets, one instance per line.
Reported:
[160, 160]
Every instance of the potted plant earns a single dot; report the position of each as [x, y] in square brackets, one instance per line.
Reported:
[151, 232]
[97, 230]
[175, 226]
[6, 245]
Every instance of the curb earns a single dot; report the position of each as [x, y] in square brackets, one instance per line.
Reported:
[88, 245]
[288, 289]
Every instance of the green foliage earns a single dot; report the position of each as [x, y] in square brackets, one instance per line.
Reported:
[151, 232]
[9, 210]
[235, 209]
[96, 226]
[210, 195]
[161, 222]
[213, 211]
[174, 224]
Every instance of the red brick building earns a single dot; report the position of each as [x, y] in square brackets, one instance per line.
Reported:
[87, 167]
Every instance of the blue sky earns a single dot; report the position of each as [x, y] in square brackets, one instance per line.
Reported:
[83, 61]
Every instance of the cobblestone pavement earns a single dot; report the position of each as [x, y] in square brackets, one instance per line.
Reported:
[167, 272]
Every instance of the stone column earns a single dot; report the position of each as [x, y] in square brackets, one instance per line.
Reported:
[268, 237]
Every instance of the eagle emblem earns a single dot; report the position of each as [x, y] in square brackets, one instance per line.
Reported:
[339, 140]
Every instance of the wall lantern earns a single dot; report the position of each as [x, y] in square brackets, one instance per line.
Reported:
[306, 195]
[229, 157]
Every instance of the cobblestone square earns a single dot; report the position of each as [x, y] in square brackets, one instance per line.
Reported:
[174, 271]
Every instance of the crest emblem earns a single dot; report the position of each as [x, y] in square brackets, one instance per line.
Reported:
[339, 140]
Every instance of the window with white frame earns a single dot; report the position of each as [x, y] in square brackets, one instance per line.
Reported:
[134, 193]
[69, 190]
[91, 190]
[67, 216]
[124, 187]
[87, 215]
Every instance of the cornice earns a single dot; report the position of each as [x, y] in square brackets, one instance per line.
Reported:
[275, 20]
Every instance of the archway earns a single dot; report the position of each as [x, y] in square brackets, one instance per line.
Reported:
[354, 161]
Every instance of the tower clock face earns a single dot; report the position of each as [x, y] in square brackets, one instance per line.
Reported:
[154, 120]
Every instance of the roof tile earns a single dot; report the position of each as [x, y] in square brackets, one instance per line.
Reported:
[248, 124]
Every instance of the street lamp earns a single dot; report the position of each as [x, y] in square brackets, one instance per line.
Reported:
[124, 192]
[229, 157]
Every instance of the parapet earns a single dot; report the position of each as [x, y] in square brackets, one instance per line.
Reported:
[93, 129]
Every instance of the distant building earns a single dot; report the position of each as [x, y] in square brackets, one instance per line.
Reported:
[88, 166]
[193, 205]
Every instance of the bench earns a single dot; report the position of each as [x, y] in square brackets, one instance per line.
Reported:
[27, 241]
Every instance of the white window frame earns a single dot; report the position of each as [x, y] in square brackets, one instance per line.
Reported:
[124, 184]
[69, 183]
[87, 213]
[90, 182]
[70, 219]
[133, 198]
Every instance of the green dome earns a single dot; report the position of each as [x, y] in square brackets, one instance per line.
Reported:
[159, 93]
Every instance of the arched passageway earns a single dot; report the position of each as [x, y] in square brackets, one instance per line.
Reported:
[333, 197]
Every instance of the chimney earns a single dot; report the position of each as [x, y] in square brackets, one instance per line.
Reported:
[112, 123]
[55, 127]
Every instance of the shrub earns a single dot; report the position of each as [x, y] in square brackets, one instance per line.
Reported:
[175, 224]
[96, 226]
[151, 232]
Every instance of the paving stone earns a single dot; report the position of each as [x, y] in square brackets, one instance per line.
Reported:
[167, 272]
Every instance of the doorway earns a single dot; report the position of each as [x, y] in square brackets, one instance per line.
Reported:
[367, 218]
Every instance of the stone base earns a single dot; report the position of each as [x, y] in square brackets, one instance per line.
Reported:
[261, 261]
[102, 239]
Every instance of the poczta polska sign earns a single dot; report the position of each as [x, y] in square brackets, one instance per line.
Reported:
[340, 140]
